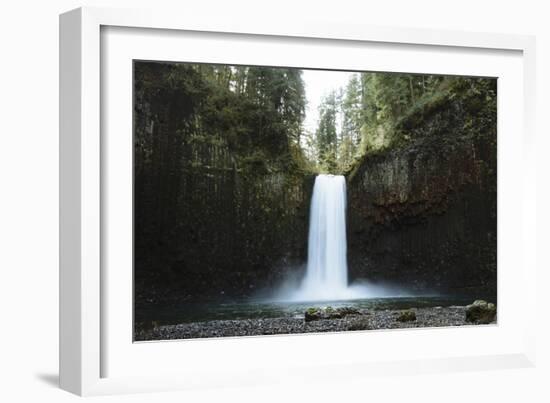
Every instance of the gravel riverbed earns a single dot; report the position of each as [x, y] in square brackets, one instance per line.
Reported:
[365, 320]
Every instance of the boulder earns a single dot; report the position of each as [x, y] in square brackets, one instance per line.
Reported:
[329, 312]
[347, 310]
[406, 316]
[361, 324]
[313, 314]
[481, 312]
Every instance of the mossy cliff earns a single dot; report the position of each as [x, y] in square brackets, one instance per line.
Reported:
[219, 209]
[422, 214]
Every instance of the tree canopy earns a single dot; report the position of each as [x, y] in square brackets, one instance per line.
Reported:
[368, 114]
[259, 112]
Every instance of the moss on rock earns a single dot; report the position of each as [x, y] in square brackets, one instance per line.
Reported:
[481, 312]
[406, 316]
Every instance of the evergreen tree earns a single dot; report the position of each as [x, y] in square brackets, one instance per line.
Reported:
[352, 110]
[326, 134]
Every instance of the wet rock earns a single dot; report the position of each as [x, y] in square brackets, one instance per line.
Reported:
[329, 312]
[346, 310]
[361, 324]
[312, 314]
[406, 316]
[481, 312]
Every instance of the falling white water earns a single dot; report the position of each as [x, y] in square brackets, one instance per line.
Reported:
[327, 269]
[326, 277]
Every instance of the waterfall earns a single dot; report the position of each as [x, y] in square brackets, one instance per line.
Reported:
[326, 277]
[327, 269]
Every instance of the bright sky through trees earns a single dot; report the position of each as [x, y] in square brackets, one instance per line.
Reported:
[319, 83]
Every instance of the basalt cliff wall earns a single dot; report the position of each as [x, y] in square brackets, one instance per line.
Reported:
[423, 215]
[210, 219]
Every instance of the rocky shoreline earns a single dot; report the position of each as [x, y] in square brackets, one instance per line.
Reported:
[333, 322]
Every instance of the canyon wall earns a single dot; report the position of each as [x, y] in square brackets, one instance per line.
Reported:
[423, 215]
[210, 219]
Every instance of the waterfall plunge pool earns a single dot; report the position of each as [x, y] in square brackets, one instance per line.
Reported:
[246, 308]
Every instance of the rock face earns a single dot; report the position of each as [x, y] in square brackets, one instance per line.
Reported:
[481, 312]
[215, 217]
[424, 215]
[211, 218]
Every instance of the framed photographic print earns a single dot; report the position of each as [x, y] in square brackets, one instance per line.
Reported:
[237, 200]
[275, 200]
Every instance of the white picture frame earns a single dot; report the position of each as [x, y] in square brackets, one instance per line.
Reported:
[88, 318]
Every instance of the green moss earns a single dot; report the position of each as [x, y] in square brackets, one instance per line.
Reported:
[406, 316]
[481, 312]
[361, 324]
